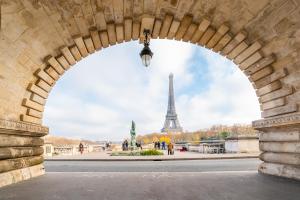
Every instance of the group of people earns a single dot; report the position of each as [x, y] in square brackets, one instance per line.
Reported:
[158, 145]
[162, 146]
[125, 145]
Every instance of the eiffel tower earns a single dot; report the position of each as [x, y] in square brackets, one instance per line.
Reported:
[171, 122]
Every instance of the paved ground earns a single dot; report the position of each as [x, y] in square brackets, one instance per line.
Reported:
[156, 180]
[153, 186]
[153, 166]
[103, 156]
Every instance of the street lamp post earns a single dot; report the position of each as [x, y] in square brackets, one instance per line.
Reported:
[146, 54]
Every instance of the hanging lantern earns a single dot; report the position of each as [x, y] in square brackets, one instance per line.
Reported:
[146, 54]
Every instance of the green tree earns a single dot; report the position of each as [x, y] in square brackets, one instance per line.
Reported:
[224, 134]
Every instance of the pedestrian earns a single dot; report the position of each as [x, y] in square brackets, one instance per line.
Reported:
[163, 145]
[126, 145]
[158, 145]
[170, 149]
[123, 146]
[81, 148]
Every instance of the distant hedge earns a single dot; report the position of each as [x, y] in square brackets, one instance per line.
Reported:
[151, 152]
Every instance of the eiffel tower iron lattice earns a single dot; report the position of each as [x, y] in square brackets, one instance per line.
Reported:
[171, 123]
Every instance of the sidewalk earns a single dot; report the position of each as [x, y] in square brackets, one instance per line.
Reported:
[105, 156]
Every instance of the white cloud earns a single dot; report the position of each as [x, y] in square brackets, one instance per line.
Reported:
[99, 96]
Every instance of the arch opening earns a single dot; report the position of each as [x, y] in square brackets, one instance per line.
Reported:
[207, 90]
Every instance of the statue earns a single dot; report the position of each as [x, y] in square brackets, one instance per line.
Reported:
[132, 134]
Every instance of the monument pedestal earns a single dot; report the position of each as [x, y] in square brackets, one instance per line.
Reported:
[279, 142]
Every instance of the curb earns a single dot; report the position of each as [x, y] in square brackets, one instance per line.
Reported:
[152, 159]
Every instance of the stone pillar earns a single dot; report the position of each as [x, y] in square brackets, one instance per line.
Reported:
[279, 142]
[21, 152]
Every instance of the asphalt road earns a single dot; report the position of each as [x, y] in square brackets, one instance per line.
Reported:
[153, 180]
[153, 166]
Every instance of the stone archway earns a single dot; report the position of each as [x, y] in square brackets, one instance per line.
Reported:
[41, 40]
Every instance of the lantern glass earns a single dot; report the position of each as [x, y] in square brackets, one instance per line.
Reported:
[146, 58]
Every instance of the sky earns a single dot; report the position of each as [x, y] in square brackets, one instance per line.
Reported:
[99, 96]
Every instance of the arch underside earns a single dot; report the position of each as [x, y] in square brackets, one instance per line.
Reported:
[41, 40]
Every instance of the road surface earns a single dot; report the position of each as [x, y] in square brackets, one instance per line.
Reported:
[153, 166]
[153, 180]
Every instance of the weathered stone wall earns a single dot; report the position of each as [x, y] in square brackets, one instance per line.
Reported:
[41, 39]
[280, 145]
[20, 151]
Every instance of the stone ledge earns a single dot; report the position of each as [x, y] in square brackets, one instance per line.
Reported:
[287, 171]
[284, 120]
[18, 175]
[25, 128]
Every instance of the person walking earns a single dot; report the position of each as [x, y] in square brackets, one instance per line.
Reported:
[163, 145]
[81, 148]
[126, 145]
[170, 149]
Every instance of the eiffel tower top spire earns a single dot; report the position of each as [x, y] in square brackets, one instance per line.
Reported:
[171, 123]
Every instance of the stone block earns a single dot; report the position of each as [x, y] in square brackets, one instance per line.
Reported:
[273, 104]
[17, 152]
[173, 29]
[37, 90]
[248, 52]
[268, 88]
[280, 110]
[280, 147]
[81, 46]
[42, 84]
[223, 42]
[34, 113]
[20, 141]
[104, 39]
[111, 31]
[184, 25]
[38, 99]
[282, 158]
[276, 94]
[128, 29]
[136, 25]
[55, 64]
[190, 32]
[96, 39]
[200, 31]
[120, 33]
[287, 171]
[222, 30]
[75, 52]
[63, 62]
[237, 50]
[234, 42]
[156, 28]
[266, 61]
[68, 55]
[89, 44]
[44, 76]
[52, 72]
[31, 104]
[271, 78]
[165, 26]
[18, 175]
[261, 74]
[206, 36]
